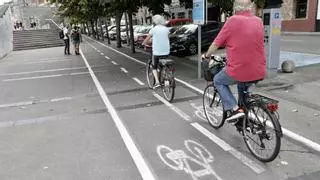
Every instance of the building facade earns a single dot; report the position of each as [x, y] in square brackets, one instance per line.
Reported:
[299, 15]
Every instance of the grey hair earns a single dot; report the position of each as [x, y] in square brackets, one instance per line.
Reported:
[242, 5]
[158, 20]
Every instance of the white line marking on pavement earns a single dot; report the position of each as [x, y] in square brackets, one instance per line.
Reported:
[291, 40]
[133, 59]
[107, 57]
[172, 107]
[42, 71]
[17, 104]
[98, 51]
[60, 99]
[138, 81]
[308, 54]
[43, 77]
[226, 147]
[113, 62]
[102, 54]
[29, 121]
[124, 70]
[136, 155]
[51, 61]
[30, 78]
[303, 140]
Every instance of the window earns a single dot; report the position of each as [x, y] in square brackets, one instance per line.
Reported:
[301, 8]
[181, 14]
[190, 14]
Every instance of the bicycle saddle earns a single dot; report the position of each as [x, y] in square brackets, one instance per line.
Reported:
[164, 62]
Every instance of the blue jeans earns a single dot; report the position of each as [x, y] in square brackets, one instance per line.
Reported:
[222, 81]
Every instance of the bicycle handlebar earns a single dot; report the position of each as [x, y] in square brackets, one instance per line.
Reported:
[217, 58]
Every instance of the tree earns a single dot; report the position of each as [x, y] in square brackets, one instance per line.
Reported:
[118, 7]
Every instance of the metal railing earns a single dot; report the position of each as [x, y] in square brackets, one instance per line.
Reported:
[53, 22]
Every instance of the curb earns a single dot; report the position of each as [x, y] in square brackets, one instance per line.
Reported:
[271, 88]
[300, 33]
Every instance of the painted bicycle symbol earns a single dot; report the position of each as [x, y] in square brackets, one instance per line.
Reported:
[214, 112]
[181, 161]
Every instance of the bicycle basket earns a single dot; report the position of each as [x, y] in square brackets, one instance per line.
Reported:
[206, 71]
[209, 71]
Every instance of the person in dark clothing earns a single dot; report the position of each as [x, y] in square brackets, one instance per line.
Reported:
[76, 39]
[66, 40]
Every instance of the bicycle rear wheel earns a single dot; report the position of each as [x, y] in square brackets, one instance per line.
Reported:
[169, 84]
[150, 78]
[212, 106]
[261, 129]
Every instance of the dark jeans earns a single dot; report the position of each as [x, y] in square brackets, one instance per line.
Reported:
[67, 46]
[155, 60]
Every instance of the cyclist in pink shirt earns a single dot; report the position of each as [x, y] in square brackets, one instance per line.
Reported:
[243, 37]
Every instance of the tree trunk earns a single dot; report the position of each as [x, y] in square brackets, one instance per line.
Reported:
[97, 32]
[107, 33]
[133, 50]
[118, 22]
[83, 30]
[92, 28]
[101, 29]
[89, 34]
[127, 29]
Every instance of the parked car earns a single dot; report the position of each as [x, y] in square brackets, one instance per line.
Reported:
[142, 35]
[124, 34]
[185, 39]
[178, 22]
[138, 31]
[113, 32]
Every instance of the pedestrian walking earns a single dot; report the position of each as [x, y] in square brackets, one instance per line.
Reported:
[66, 40]
[76, 39]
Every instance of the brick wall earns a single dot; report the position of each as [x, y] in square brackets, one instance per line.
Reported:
[289, 22]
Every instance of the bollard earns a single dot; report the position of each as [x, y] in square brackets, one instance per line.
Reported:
[288, 66]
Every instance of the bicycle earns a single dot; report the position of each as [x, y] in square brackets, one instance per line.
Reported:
[255, 124]
[166, 77]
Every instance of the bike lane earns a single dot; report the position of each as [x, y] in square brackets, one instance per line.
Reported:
[190, 102]
[53, 125]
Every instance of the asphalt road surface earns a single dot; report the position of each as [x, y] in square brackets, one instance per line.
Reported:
[93, 117]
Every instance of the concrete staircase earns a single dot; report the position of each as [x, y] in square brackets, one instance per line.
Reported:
[35, 39]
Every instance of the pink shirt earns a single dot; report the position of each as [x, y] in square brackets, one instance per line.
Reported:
[243, 37]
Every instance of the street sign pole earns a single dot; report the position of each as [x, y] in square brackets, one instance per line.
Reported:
[199, 51]
[199, 17]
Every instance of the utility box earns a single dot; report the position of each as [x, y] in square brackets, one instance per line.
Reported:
[272, 35]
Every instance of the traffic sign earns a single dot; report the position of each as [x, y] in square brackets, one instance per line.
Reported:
[198, 12]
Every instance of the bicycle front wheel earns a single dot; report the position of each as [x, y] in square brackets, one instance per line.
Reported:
[212, 106]
[262, 133]
[149, 74]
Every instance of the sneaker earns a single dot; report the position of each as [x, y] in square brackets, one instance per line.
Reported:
[156, 85]
[234, 116]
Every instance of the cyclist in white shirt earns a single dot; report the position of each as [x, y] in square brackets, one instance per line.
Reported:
[160, 43]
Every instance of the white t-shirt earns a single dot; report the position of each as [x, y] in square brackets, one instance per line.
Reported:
[65, 33]
[160, 40]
